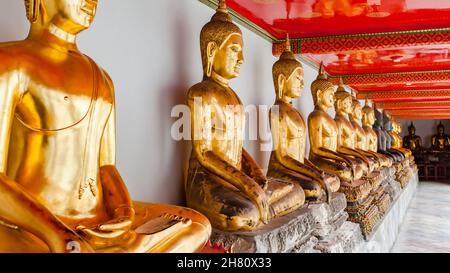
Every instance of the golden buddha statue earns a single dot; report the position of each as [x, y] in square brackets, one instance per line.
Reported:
[397, 142]
[412, 141]
[368, 120]
[362, 210]
[361, 139]
[323, 136]
[381, 172]
[402, 164]
[224, 182]
[440, 141]
[288, 160]
[59, 187]
[346, 133]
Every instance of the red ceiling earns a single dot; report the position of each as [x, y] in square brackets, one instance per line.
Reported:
[392, 50]
[315, 18]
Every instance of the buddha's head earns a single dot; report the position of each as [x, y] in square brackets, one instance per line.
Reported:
[387, 121]
[441, 129]
[288, 74]
[379, 122]
[397, 127]
[72, 16]
[221, 45]
[412, 129]
[344, 100]
[368, 118]
[322, 90]
[356, 108]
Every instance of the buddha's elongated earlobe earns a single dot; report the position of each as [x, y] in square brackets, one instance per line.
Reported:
[32, 9]
[281, 81]
[211, 52]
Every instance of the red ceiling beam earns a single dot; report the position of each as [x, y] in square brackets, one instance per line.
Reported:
[393, 78]
[357, 42]
[407, 96]
[420, 112]
[436, 106]
[416, 117]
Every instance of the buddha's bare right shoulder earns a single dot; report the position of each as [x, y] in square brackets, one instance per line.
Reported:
[12, 52]
[204, 89]
[316, 114]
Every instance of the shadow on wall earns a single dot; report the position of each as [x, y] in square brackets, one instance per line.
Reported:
[13, 28]
[170, 96]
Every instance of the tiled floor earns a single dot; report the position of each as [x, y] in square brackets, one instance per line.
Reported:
[426, 227]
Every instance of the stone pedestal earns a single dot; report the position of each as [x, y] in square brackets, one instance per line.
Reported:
[290, 233]
[394, 188]
[329, 217]
[347, 239]
[334, 232]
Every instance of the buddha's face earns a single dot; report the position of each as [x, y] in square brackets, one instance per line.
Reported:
[357, 111]
[78, 12]
[326, 97]
[229, 57]
[294, 84]
[441, 130]
[345, 105]
[412, 131]
[371, 117]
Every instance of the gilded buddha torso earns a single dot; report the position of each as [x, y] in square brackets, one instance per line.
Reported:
[371, 139]
[58, 120]
[346, 132]
[223, 120]
[328, 130]
[360, 137]
[295, 131]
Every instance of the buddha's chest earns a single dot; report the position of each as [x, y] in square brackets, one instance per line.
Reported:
[61, 102]
[227, 118]
[360, 138]
[347, 134]
[295, 127]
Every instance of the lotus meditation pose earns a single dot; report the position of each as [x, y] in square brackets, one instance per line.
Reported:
[60, 190]
[224, 182]
[288, 160]
[412, 141]
[323, 136]
[440, 141]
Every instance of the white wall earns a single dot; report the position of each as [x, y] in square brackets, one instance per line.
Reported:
[425, 129]
[151, 50]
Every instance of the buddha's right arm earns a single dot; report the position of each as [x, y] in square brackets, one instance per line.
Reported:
[315, 137]
[296, 165]
[18, 207]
